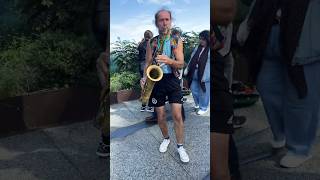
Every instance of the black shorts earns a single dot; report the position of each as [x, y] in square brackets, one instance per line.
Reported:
[222, 101]
[169, 86]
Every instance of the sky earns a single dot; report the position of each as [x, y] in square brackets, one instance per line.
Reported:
[130, 18]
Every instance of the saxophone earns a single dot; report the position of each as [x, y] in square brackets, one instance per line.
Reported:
[154, 73]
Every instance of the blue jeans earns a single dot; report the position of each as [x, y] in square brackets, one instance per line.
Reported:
[290, 118]
[200, 97]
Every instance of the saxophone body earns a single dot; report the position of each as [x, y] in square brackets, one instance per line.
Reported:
[154, 73]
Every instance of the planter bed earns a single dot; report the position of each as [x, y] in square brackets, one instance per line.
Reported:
[47, 108]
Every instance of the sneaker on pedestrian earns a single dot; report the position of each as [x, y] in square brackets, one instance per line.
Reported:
[201, 112]
[150, 109]
[164, 145]
[238, 121]
[291, 160]
[103, 150]
[183, 154]
[196, 107]
[143, 108]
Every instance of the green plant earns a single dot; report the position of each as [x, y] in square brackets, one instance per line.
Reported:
[50, 60]
[125, 55]
[190, 40]
[124, 80]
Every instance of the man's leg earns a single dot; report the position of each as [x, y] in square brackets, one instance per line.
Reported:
[221, 130]
[178, 122]
[179, 130]
[219, 156]
[162, 122]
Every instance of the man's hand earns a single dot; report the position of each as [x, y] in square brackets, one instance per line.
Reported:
[142, 82]
[164, 59]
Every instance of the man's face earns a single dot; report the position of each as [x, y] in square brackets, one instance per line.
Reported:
[164, 22]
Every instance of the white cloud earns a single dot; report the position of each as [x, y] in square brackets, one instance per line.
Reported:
[132, 28]
[191, 26]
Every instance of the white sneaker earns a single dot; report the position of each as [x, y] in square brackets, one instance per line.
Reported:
[196, 106]
[291, 160]
[201, 112]
[164, 145]
[183, 154]
[278, 144]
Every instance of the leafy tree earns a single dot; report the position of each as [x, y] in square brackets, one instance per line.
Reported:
[51, 60]
[43, 15]
[190, 40]
[125, 55]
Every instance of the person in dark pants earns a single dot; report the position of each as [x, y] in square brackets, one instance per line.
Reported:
[101, 31]
[142, 61]
[226, 53]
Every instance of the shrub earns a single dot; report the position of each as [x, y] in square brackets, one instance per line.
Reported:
[124, 80]
[125, 56]
[50, 60]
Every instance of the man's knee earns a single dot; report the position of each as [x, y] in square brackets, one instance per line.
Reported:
[160, 114]
[177, 117]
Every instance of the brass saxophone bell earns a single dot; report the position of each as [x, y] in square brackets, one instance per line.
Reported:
[154, 73]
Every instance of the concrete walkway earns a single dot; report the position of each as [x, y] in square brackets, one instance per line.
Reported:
[135, 155]
[59, 153]
[257, 161]
[68, 152]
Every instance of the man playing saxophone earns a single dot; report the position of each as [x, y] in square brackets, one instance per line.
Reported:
[170, 59]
